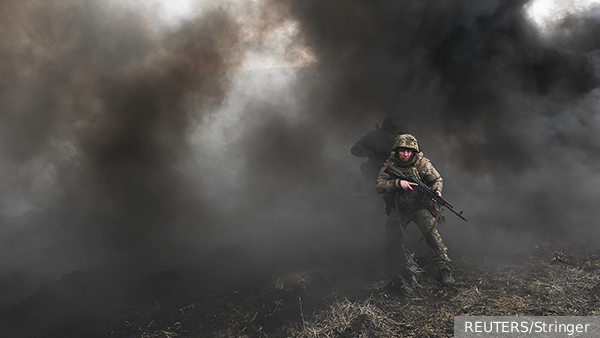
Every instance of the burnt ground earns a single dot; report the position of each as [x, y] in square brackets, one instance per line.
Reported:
[326, 302]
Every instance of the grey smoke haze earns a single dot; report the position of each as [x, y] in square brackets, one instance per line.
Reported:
[94, 124]
[126, 142]
[507, 113]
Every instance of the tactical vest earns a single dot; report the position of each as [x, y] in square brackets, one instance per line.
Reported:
[409, 200]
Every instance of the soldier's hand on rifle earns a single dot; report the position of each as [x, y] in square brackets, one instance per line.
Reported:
[405, 185]
[439, 193]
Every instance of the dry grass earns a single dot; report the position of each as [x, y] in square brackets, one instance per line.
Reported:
[350, 319]
[319, 303]
[413, 304]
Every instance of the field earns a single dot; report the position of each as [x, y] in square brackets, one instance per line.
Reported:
[205, 301]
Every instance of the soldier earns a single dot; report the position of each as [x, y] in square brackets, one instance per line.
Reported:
[376, 145]
[410, 205]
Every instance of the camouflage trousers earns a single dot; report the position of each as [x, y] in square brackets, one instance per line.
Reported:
[424, 220]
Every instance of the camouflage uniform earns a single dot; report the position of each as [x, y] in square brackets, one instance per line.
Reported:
[413, 206]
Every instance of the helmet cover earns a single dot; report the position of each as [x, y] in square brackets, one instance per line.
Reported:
[406, 141]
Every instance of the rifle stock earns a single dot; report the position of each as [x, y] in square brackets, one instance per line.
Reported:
[391, 170]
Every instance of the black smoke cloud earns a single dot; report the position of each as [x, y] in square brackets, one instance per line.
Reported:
[107, 138]
[109, 123]
[94, 126]
[504, 110]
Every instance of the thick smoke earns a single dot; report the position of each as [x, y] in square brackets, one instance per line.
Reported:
[112, 149]
[506, 112]
[126, 142]
[94, 125]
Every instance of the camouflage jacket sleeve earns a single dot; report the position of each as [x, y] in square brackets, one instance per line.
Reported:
[385, 182]
[430, 175]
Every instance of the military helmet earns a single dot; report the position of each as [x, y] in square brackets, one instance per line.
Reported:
[406, 141]
[392, 124]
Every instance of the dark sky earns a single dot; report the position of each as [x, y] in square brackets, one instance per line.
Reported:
[124, 142]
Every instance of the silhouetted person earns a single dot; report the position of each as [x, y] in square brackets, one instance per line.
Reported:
[376, 145]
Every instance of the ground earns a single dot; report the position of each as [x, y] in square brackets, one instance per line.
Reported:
[329, 302]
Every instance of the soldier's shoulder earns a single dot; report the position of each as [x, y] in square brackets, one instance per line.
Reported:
[422, 161]
[420, 158]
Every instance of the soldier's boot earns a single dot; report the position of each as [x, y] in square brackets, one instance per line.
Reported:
[447, 278]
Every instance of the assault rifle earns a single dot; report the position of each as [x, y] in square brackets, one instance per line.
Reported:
[390, 169]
